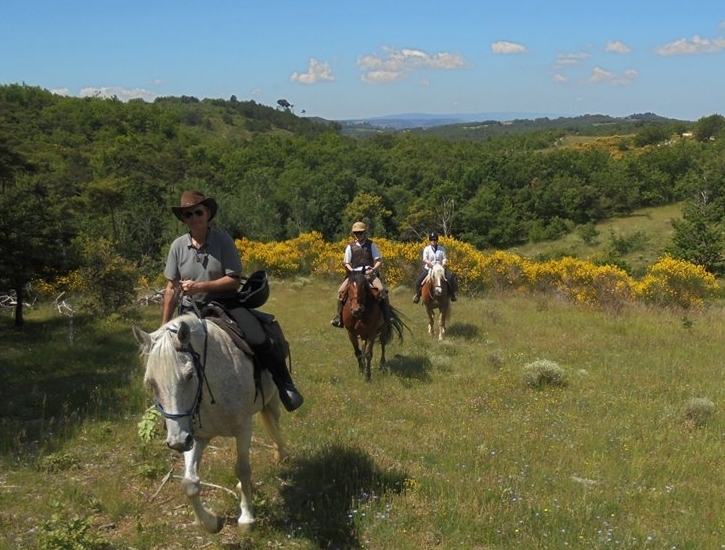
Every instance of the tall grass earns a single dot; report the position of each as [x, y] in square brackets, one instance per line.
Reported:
[448, 447]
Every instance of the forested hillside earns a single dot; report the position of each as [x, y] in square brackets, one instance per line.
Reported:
[74, 172]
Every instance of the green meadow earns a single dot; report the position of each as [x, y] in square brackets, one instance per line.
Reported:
[451, 445]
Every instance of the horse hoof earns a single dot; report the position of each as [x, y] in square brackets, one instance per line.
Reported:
[245, 524]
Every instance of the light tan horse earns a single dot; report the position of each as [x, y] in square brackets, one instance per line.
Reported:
[436, 295]
[204, 386]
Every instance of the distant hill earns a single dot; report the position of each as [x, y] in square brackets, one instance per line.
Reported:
[485, 125]
[423, 120]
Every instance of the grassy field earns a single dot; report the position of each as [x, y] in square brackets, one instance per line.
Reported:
[448, 447]
[644, 235]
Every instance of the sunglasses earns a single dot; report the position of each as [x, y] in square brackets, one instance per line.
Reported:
[199, 213]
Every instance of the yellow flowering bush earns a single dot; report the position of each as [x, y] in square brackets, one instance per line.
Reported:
[668, 283]
[583, 282]
[73, 282]
[676, 283]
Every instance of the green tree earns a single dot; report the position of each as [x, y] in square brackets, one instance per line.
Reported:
[709, 127]
[698, 237]
[369, 209]
[34, 241]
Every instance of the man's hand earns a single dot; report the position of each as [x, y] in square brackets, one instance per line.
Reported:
[190, 287]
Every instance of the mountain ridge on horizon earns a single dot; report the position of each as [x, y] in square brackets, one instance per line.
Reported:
[405, 121]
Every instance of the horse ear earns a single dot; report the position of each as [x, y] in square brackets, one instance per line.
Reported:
[142, 338]
[184, 333]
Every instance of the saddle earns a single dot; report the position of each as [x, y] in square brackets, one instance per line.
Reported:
[248, 329]
[215, 313]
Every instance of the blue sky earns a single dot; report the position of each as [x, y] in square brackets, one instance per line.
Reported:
[347, 60]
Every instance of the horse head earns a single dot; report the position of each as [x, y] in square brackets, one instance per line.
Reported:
[174, 373]
[358, 292]
[438, 279]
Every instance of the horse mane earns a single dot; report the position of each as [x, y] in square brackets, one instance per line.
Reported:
[437, 271]
[358, 277]
[161, 358]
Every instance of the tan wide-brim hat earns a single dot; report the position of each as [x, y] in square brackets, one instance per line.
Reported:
[190, 199]
[359, 226]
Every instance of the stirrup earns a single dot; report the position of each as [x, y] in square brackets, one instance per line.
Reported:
[416, 298]
[336, 322]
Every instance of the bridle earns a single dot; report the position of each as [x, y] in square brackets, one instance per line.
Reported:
[200, 369]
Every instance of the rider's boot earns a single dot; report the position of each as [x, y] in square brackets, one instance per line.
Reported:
[416, 298]
[337, 321]
[274, 360]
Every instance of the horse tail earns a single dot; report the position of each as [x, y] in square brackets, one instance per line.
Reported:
[393, 328]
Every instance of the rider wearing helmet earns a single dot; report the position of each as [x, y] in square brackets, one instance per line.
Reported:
[433, 254]
[361, 253]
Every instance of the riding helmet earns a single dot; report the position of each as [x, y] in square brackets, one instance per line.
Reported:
[433, 236]
[255, 290]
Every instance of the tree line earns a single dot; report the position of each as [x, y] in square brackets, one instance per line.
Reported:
[75, 171]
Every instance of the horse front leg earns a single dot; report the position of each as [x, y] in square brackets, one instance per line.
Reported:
[359, 355]
[431, 320]
[243, 470]
[192, 486]
[441, 325]
[368, 358]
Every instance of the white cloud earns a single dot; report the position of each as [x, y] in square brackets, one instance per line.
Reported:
[559, 78]
[124, 94]
[504, 47]
[600, 75]
[568, 59]
[60, 91]
[396, 64]
[317, 71]
[615, 46]
[694, 46]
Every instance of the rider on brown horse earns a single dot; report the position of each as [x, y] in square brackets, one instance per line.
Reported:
[435, 254]
[362, 253]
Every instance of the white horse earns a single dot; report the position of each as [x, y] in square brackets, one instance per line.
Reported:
[204, 386]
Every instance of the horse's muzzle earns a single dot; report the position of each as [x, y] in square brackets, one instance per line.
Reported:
[181, 443]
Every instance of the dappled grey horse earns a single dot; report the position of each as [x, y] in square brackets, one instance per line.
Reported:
[204, 386]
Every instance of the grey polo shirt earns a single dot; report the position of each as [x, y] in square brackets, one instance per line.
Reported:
[217, 257]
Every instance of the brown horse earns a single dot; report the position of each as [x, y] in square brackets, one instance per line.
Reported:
[363, 318]
[436, 295]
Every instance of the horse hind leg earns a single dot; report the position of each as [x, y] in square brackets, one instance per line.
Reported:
[270, 415]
